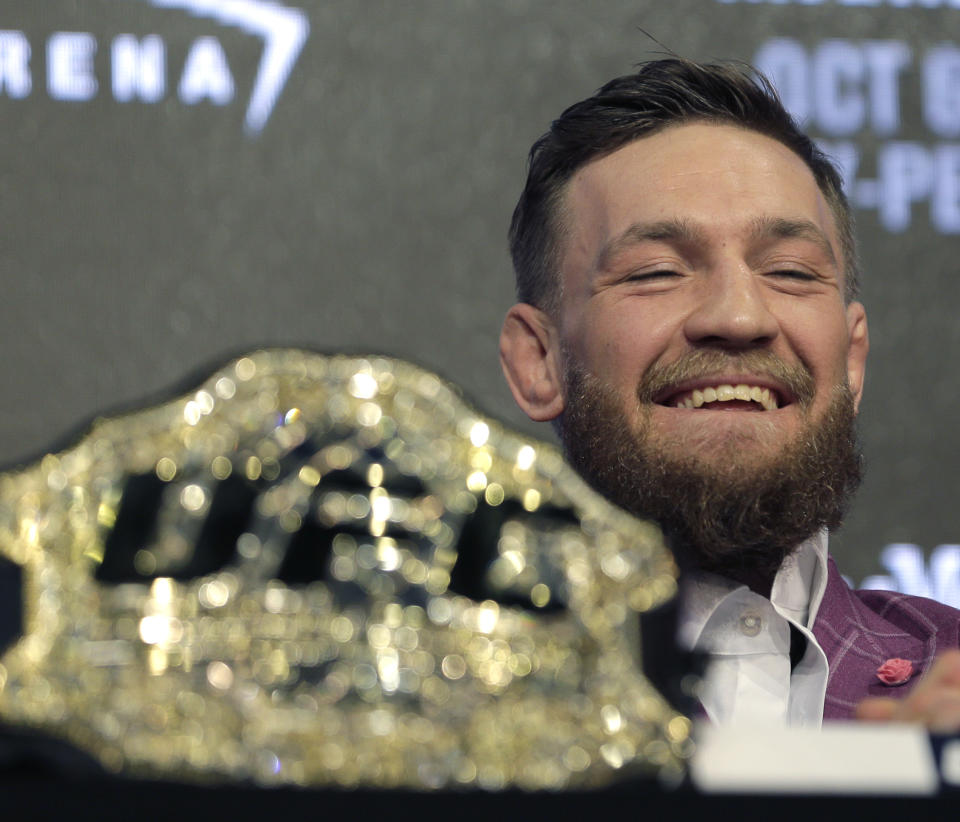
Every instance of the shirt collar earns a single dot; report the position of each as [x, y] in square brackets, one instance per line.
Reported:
[797, 592]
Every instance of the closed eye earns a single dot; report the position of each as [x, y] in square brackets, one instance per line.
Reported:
[648, 276]
[794, 274]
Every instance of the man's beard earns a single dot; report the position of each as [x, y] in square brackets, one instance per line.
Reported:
[727, 512]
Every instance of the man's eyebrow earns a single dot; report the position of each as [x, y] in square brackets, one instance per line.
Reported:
[786, 229]
[681, 231]
[675, 231]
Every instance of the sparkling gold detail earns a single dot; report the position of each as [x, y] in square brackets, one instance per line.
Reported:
[334, 645]
[192, 413]
[204, 401]
[531, 499]
[525, 457]
[375, 475]
[160, 630]
[576, 758]
[166, 469]
[494, 494]
[106, 517]
[225, 388]
[309, 476]
[145, 562]
[248, 546]
[362, 386]
[369, 413]
[214, 594]
[612, 722]
[481, 459]
[479, 433]
[193, 498]
[219, 675]
[221, 467]
[678, 729]
[453, 666]
[477, 481]
[253, 468]
[245, 368]
[540, 595]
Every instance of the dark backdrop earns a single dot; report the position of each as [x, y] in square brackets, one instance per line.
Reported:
[152, 220]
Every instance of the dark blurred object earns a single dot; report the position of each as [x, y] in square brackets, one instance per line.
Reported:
[11, 603]
[27, 755]
[674, 672]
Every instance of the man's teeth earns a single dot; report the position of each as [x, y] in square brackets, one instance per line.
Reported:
[726, 393]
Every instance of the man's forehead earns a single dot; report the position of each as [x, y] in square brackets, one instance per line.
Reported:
[702, 175]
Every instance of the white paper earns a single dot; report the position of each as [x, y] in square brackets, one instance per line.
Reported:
[841, 757]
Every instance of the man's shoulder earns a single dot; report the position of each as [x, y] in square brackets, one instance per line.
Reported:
[915, 615]
[910, 613]
[860, 630]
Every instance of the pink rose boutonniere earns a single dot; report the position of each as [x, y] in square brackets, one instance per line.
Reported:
[895, 671]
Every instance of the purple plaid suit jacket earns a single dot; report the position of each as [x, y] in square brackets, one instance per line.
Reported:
[859, 630]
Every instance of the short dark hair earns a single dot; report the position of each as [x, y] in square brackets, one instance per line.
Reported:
[660, 94]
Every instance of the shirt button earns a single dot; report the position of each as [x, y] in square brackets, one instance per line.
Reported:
[750, 624]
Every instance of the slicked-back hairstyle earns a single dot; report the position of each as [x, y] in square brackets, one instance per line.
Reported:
[661, 94]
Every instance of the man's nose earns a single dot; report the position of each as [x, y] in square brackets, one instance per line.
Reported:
[731, 311]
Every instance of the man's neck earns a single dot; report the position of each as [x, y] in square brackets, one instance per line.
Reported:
[759, 583]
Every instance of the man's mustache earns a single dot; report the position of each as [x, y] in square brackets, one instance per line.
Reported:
[708, 362]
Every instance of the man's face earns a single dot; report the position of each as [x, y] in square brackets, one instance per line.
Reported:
[713, 241]
[703, 363]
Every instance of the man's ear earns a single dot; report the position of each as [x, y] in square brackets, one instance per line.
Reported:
[859, 345]
[530, 358]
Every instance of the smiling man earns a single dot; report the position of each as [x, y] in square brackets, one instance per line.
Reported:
[687, 278]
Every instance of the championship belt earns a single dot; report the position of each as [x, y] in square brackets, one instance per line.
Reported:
[332, 571]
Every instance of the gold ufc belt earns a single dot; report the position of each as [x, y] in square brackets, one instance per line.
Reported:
[333, 571]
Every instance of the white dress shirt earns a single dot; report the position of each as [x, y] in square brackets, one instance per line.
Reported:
[749, 679]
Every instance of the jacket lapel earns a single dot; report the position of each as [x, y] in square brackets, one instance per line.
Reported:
[858, 631]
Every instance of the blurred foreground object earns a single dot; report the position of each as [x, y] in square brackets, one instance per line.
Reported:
[330, 570]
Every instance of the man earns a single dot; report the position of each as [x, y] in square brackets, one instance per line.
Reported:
[687, 277]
